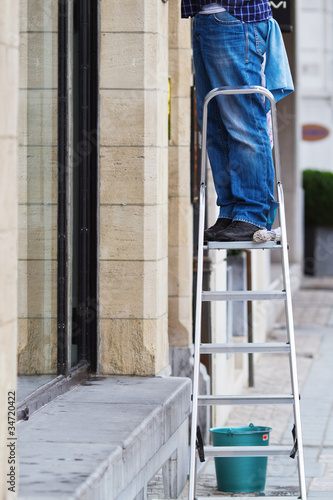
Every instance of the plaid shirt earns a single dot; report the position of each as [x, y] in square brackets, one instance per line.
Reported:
[248, 11]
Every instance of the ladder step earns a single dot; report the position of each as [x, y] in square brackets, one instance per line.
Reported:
[269, 347]
[246, 451]
[241, 245]
[249, 295]
[261, 399]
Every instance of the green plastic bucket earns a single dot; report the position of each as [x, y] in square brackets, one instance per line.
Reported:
[241, 474]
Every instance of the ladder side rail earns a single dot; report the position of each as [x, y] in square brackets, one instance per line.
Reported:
[198, 315]
[291, 339]
[288, 303]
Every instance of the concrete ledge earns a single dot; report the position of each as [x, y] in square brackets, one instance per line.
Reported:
[105, 439]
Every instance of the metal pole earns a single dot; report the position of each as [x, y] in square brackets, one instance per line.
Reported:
[62, 324]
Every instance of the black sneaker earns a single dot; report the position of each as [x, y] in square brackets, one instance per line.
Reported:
[221, 224]
[237, 231]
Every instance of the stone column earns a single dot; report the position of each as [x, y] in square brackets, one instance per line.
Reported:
[180, 207]
[9, 61]
[133, 260]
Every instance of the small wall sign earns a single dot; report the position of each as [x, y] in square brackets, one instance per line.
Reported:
[282, 14]
[313, 132]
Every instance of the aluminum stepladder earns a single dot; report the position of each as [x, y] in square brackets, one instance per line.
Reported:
[196, 447]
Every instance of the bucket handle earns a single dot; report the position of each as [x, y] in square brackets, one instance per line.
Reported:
[230, 431]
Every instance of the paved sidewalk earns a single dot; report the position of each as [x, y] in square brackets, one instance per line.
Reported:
[313, 317]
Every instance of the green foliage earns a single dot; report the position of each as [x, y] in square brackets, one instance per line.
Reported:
[318, 203]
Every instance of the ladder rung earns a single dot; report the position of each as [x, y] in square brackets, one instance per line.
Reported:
[246, 451]
[250, 295]
[242, 245]
[261, 399]
[269, 347]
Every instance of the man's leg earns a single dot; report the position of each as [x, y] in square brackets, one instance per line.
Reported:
[217, 137]
[232, 54]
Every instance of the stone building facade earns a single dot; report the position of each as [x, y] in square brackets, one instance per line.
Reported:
[97, 175]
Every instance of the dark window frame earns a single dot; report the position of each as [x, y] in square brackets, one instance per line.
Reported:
[86, 148]
[62, 291]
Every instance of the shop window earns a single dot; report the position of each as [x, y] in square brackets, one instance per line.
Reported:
[57, 308]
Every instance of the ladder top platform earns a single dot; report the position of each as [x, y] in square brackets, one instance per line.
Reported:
[241, 245]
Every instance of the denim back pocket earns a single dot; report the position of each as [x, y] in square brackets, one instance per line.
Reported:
[260, 34]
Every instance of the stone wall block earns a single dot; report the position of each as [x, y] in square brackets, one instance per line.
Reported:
[134, 175]
[148, 16]
[8, 183]
[122, 173]
[159, 125]
[159, 11]
[159, 335]
[161, 63]
[9, 84]
[180, 70]
[180, 223]
[179, 29]
[123, 110]
[180, 321]
[155, 280]
[3, 94]
[133, 232]
[120, 111]
[180, 271]
[124, 293]
[7, 271]
[9, 24]
[181, 121]
[8, 383]
[179, 171]
[12, 83]
[115, 16]
[133, 60]
[132, 289]
[122, 60]
[131, 346]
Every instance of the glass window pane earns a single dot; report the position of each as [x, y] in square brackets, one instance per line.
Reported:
[38, 185]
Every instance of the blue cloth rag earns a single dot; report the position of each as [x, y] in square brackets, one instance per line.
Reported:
[277, 71]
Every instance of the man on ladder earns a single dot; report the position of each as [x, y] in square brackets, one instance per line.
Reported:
[238, 50]
[230, 48]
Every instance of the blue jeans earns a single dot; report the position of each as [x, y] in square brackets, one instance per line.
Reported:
[228, 52]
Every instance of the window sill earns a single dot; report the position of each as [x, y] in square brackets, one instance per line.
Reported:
[49, 391]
